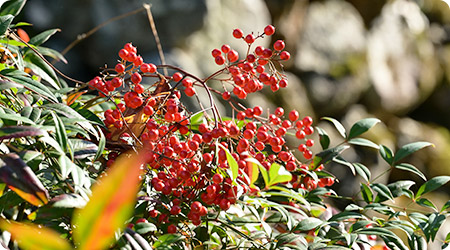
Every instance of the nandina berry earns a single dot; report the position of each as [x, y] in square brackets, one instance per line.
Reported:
[153, 213]
[302, 147]
[269, 30]
[217, 178]
[226, 95]
[293, 115]
[237, 33]
[225, 48]
[279, 111]
[177, 76]
[187, 82]
[283, 83]
[279, 45]
[123, 53]
[257, 111]
[171, 229]
[259, 50]
[250, 38]
[175, 210]
[148, 110]
[189, 91]
[307, 121]
[138, 88]
[220, 60]
[274, 87]
[131, 57]
[130, 48]
[136, 78]
[224, 204]
[195, 206]
[308, 130]
[285, 55]
[267, 53]
[248, 134]
[119, 68]
[233, 55]
[291, 166]
[148, 68]
[118, 124]
[251, 58]
[260, 69]
[307, 154]
[286, 124]
[138, 61]
[216, 52]
[240, 116]
[309, 142]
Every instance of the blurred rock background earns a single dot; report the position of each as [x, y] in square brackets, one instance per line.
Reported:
[350, 59]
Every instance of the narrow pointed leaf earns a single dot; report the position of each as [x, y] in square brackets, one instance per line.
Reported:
[363, 171]
[253, 170]
[30, 84]
[386, 154]
[425, 203]
[432, 185]
[363, 142]
[323, 138]
[366, 193]
[308, 224]
[111, 204]
[278, 174]
[409, 149]
[328, 155]
[412, 169]
[382, 190]
[60, 129]
[33, 237]
[5, 21]
[446, 205]
[12, 7]
[66, 166]
[21, 179]
[42, 37]
[101, 145]
[42, 69]
[17, 118]
[337, 125]
[361, 127]
[231, 162]
[19, 131]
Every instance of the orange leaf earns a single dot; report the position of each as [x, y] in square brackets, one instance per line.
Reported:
[111, 205]
[30, 236]
[74, 96]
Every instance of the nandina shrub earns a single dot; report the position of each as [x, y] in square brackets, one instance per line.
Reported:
[198, 179]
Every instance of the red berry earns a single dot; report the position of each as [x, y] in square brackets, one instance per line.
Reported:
[177, 77]
[293, 115]
[224, 204]
[120, 68]
[148, 110]
[226, 95]
[285, 55]
[216, 52]
[307, 121]
[171, 229]
[279, 45]
[237, 33]
[279, 111]
[257, 111]
[136, 78]
[175, 210]
[130, 48]
[138, 88]
[309, 130]
[189, 91]
[219, 60]
[217, 178]
[195, 206]
[259, 50]
[225, 48]
[269, 30]
[123, 54]
[233, 55]
[309, 142]
[283, 83]
[250, 38]
[148, 68]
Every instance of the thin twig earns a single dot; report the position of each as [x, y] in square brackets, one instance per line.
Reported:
[155, 34]
[92, 31]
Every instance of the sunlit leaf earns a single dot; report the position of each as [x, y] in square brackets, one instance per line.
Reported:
[363, 142]
[425, 203]
[60, 129]
[366, 193]
[21, 179]
[71, 98]
[412, 169]
[42, 37]
[362, 126]
[253, 170]
[363, 171]
[19, 131]
[111, 204]
[30, 84]
[323, 138]
[409, 149]
[432, 185]
[33, 237]
[66, 166]
[328, 155]
[382, 190]
[231, 162]
[308, 224]
[278, 174]
[12, 7]
[42, 69]
[17, 118]
[337, 125]
[5, 21]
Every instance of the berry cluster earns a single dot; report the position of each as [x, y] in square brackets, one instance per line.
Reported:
[189, 165]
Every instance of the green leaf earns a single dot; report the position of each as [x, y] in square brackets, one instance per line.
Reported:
[409, 149]
[52, 53]
[382, 190]
[111, 204]
[346, 215]
[386, 154]
[70, 113]
[323, 138]
[446, 205]
[42, 37]
[165, 240]
[337, 125]
[425, 203]
[412, 169]
[197, 119]
[432, 226]
[17, 118]
[308, 224]
[12, 7]
[42, 69]
[278, 174]
[21, 179]
[363, 171]
[432, 185]
[5, 21]
[253, 166]
[363, 142]
[328, 155]
[30, 236]
[362, 126]
[400, 188]
[101, 145]
[231, 162]
[19, 131]
[145, 227]
[366, 193]
[61, 135]
[66, 166]
[29, 84]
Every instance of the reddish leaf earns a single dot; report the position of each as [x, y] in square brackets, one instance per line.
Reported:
[112, 203]
[30, 236]
[21, 179]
